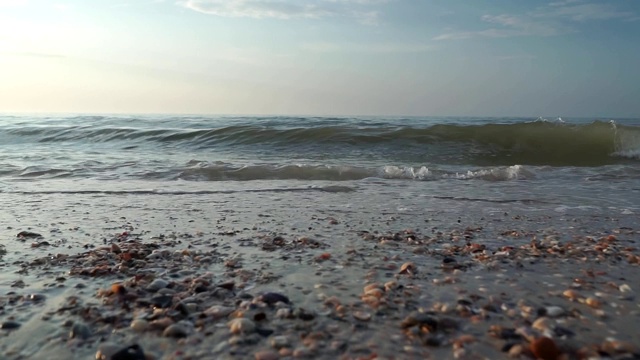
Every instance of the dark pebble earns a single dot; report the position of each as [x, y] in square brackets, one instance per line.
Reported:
[508, 345]
[36, 297]
[432, 341]
[229, 285]
[302, 314]
[10, 325]
[271, 298]
[418, 318]
[182, 308]
[162, 301]
[133, 352]
[28, 234]
[448, 260]
[264, 332]
[563, 332]
[259, 316]
[509, 334]
[79, 331]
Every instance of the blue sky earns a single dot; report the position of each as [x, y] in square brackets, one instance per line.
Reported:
[323, 57]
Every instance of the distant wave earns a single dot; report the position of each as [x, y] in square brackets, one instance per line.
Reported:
[528, 143]
[204, 171]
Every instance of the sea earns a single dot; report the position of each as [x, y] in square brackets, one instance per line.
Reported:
[402, 164]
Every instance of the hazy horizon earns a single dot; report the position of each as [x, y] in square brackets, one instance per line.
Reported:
[564, 58]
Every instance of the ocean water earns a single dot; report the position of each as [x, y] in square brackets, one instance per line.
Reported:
[572, 163]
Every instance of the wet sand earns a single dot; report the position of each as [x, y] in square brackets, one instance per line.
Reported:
[315, 274]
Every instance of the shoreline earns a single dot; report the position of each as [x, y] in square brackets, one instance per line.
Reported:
[359, 282]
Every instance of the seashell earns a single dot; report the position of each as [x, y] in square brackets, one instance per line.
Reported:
[362, 316]
[241, 325]
[571, 294]
[390, 285]
[376, 292]
[371, 287]
[408, 268]
[593, 302]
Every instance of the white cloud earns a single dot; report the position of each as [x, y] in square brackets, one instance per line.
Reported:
[379, 48]
[578, 11]
[552, 19]
[288, 9]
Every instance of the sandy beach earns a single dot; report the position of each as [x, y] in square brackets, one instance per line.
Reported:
[324, 273]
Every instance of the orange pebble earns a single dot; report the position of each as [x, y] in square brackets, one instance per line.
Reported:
[545, 348]
[118, 289]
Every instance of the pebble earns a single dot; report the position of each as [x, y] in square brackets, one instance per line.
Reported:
[241, 325]
[79, 331]
[139, 325]
[516, 350]
[219, 311]
[133, 352]
[106, 351]
[271, 298]
[266, 355]
[157, 284]
[177, 330]
[554, 311]
[280, 341]
[545, 348]
[10, 325]
[362, 316]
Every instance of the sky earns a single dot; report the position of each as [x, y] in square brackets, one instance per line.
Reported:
[322, 57]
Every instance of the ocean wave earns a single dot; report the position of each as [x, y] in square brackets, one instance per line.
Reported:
[219, 171]
[488, 144]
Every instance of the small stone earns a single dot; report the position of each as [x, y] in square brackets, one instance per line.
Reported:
[272, 298]
[301, 352]
[555, 311]
[218, 311]
[28, 234]
[139, 325]
[36, 297]
[10, 325]
[266, 355]
[280, 341]
[157, 284]
[162, 301]
[79, 331]
[418, 318]
[106, 351]
[516, 350]
[542, 324]
[133, 352]
[241, 325]
[176, 331]
[545, 348]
